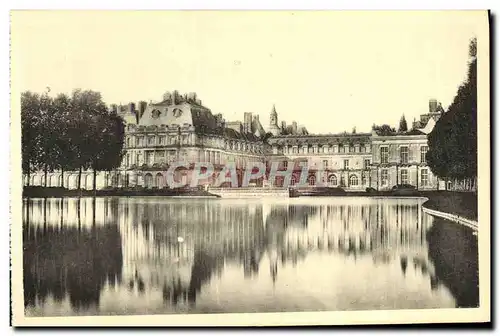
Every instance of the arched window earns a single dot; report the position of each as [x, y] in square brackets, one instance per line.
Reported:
[332, 180]
[293, 180]
[279, 181]
[311, 180]
[148, 180]
[159, 180]
[353, 180]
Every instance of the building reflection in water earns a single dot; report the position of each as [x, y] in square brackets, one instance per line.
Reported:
[157, 255]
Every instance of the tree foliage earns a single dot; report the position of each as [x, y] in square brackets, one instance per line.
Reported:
[453, 142]
[69, 133]
[384, 129]
[403, 126]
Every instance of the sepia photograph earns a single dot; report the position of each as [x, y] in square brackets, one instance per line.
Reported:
[249, 168]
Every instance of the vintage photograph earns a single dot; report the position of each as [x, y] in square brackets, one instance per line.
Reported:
[192, 167]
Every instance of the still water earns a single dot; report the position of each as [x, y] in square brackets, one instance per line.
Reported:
[105, 256]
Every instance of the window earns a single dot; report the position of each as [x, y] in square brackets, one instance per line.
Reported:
[346, 164]
[384, 177]
[403, 153]
[353, 180]
[367, 163]
[384, 154]
[129, 142]
[404, 176]
[162, 140]
[341, 148]
[285, 164]
[293, 180]
[351, 149]
[127, 160]
[138, 141]
[294, 150]
[150, 158]
[364, 178]
[325, 164]
[367, 148]
[423, 152]
[151, 140]
[312, 180]
[424, 177]
[332, 180]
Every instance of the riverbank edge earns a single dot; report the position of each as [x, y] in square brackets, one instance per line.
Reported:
[451, 217]
[63, 192]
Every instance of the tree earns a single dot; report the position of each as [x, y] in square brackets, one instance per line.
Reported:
[30, 108]
[66, 133]
[453, 141]
[64, 155]
[109, 134]
[84, 130]
[384, 129]
[403, 126]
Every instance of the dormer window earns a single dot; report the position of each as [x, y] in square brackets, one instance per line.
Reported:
[155, 114]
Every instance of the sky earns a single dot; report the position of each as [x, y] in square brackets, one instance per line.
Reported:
[328, 70]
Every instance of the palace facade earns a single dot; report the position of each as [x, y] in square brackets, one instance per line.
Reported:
[180, 128]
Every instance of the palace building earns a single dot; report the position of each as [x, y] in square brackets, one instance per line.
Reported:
[179, 128]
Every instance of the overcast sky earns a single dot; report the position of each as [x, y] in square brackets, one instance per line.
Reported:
[330, 71]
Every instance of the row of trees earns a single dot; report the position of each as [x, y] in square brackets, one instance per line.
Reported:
[386, 129]
[68, 133]
[453, 142]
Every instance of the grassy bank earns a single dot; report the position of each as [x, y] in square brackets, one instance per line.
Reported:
[50, 192]
[463, 204]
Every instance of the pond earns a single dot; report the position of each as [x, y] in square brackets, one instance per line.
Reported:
[154, 255]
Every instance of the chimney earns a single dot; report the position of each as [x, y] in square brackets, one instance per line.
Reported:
[294, 127]
[131, 107]
[175, 97]
[433, 105]
[283, 125]
[167, 96]
[191, 97]
[142, 107]
[247, 122]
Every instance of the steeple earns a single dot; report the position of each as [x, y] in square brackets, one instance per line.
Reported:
[273, 120]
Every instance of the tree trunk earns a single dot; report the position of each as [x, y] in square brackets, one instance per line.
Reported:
[94, 182]
[79, 178]
[417, 178]
[29, 178]
[62, 177]
[45, 176]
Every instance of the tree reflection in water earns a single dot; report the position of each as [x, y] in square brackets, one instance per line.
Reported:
[119, 252]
